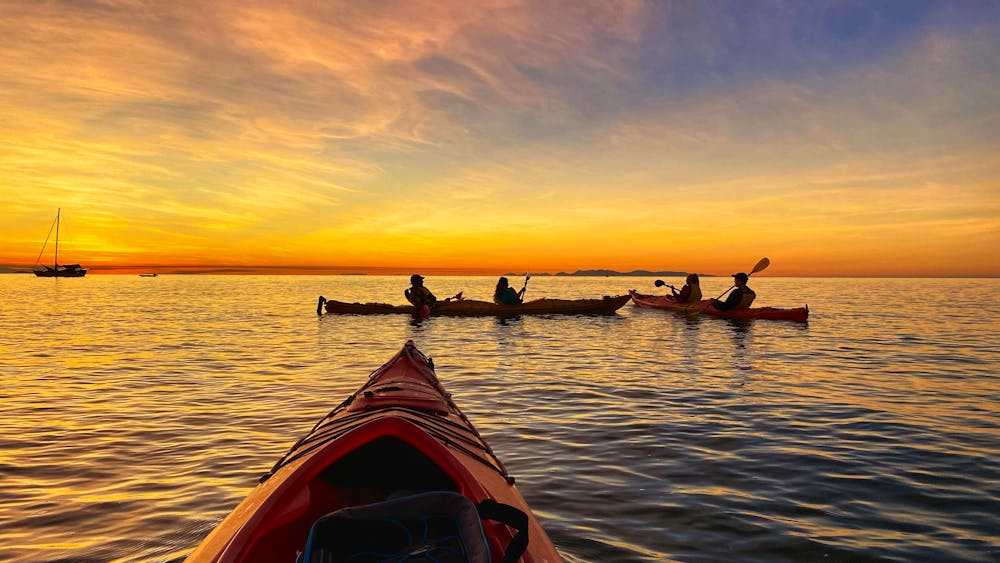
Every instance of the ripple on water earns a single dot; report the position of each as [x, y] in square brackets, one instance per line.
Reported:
[869, 434]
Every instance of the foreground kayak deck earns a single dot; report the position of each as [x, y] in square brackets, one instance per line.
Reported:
[396, 441]
[797, 314]
[471, 308]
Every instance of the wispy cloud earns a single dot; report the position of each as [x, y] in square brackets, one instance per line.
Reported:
[343, 132]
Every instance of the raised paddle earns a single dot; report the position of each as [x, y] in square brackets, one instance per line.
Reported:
[761, 265]
[527, 276]
[661, 283]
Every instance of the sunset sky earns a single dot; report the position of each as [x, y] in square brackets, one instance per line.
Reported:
[836, 138]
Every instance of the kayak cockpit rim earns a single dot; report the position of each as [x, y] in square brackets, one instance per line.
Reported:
[369, 455]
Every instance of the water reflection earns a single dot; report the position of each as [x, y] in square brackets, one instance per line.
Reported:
[739, 332]
[129, 435]
[509, 321]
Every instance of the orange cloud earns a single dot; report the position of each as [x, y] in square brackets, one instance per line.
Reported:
[495, 136]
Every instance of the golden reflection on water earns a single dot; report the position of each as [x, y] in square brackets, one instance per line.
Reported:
[133, 417]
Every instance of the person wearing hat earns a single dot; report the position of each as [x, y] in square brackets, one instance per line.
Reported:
[417, 294]
[740, 298]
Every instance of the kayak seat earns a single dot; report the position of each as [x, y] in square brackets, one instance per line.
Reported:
[438, 526]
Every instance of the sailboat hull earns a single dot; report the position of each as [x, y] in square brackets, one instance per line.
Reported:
[61, 272]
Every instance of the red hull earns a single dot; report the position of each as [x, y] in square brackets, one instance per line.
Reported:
[399, 432]
[798, 314]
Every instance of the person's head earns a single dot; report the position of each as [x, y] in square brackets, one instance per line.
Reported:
[692, 279]
[416, 280]
[502, 284]
[740, 279]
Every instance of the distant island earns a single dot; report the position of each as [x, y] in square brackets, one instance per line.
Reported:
[612, 273]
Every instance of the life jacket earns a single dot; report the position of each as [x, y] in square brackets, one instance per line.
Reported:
[421, 296]
[695, 295]
[746, 299]
[507, 297]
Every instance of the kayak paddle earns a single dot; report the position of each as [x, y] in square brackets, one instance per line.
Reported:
[761, 265]
[661, 283]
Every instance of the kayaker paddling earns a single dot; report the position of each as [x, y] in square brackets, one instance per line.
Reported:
[795, 314]
[737, 306]
[421, 298]
[506, 295]
[741, 297]
[418, 294]
[690, 293]
[459, 307]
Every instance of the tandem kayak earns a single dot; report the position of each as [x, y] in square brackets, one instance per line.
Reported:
[797, 314]
[395, 473]
[471, 308]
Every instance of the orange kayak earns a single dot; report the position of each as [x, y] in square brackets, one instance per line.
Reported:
[396, 472]
[798, 314]
[473, 308]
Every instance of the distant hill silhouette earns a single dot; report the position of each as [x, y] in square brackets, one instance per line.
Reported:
[611, 273]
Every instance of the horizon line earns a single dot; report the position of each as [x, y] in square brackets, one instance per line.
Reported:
[455, 272]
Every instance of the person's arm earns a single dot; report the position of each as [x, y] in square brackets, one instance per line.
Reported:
[683, 294]
[732, 301]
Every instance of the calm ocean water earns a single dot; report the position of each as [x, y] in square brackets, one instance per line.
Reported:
[136, 412]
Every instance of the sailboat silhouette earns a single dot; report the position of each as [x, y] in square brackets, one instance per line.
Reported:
[57, 271]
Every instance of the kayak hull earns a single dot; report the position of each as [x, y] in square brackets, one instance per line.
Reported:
[399, 434]
[797, 314]
[472, 308]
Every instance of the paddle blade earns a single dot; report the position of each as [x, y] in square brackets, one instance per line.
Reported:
[762, 265]
[659, 283]
[527, 276]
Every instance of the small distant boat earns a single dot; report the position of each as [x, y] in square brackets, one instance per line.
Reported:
[56, 270]
[153, 275]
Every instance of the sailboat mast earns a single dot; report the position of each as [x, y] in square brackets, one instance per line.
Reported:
[57, 238]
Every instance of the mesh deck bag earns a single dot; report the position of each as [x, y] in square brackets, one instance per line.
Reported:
[440, 527]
